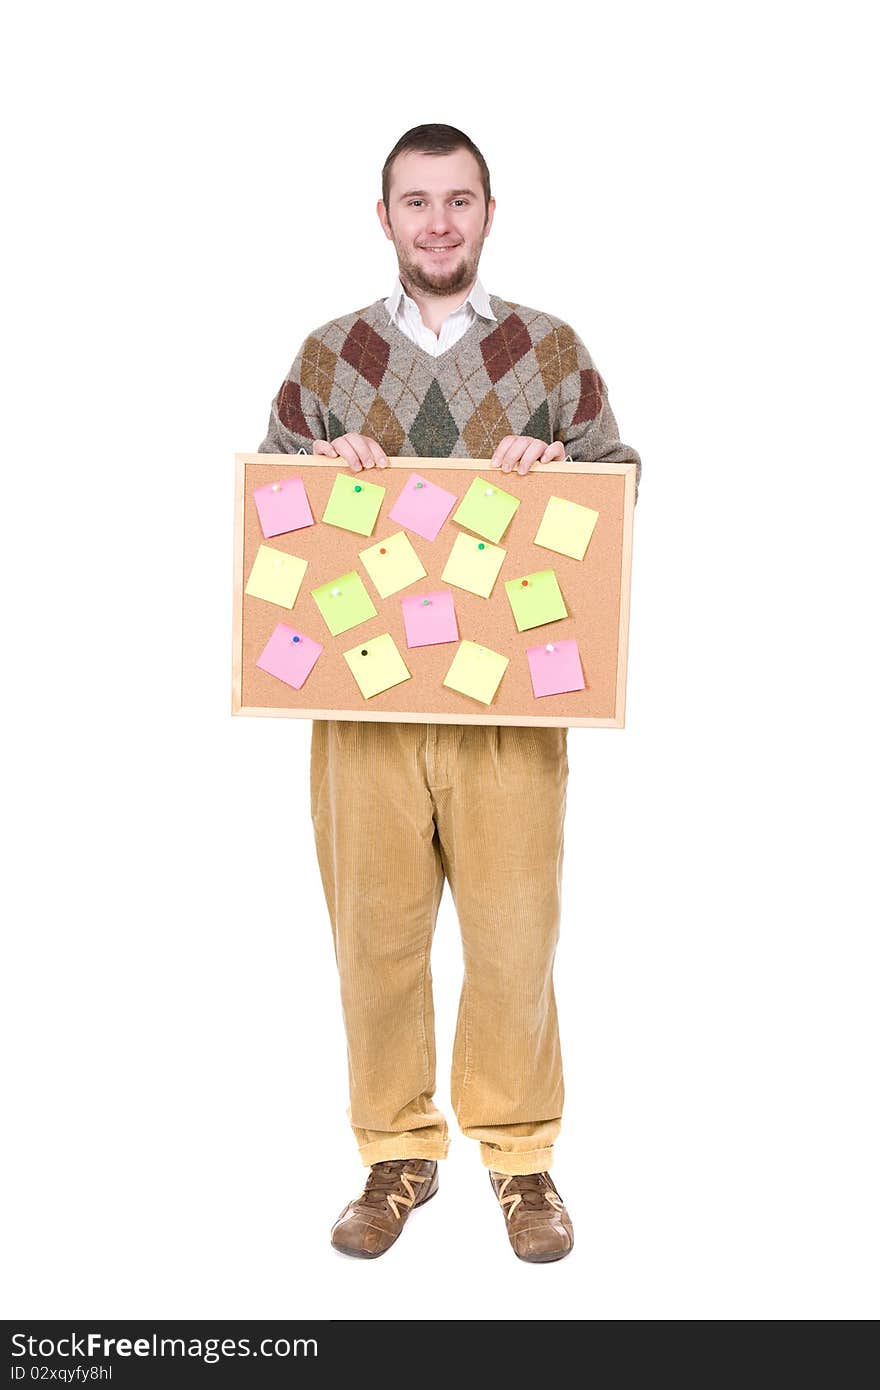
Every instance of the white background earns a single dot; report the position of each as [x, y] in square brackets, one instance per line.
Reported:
[191, 190]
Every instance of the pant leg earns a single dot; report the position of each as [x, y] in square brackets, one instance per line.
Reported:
[383, 881]
[500, 819]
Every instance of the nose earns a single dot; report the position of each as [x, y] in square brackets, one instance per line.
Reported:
[438, 221]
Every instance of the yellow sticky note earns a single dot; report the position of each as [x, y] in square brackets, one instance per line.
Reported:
[473, 565]
[392, 564]
[566, 527]
[377, 665]
[276, 576]
[476, 671]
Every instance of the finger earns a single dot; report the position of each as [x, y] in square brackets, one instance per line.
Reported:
[514, 453]
[531, 455]
[499, 450]
[345, 450]
[554, 452]
[378, 457]
[361, 446]
[324, 447]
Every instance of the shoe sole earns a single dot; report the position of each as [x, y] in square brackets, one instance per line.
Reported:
[545, 1259]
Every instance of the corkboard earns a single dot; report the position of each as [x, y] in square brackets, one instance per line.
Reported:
[595, 589]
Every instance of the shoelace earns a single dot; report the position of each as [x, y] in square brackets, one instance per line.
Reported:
[535, 1191]
[380, 1185]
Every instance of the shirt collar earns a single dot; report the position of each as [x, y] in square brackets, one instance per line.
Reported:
[478, 300]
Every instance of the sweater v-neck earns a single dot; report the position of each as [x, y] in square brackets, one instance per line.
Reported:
[487, 324]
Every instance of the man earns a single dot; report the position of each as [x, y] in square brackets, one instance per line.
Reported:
[441, 369]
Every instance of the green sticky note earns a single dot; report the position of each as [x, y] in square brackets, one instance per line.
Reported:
[566, 527]
[377, 665]
[476, 671]
[535, 599]
[344, 602]
[353, 504]
[473, 565]
[275, 576]
[392, 564]
[486, 509]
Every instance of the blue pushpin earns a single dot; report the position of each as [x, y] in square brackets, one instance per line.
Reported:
[295, 639]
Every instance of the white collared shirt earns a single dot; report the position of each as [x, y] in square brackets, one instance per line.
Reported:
[405, 313]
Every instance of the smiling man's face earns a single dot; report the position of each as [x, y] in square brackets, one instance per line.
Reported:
[437, 219]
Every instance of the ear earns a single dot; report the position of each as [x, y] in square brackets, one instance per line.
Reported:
[383, 219]
[490, 214]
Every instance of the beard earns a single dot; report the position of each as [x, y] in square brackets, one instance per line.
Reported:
[443, 282]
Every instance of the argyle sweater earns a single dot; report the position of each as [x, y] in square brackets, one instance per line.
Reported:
[529, 374]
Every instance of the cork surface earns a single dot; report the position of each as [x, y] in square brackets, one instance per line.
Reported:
[595, 590]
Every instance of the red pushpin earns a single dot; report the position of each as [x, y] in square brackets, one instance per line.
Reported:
[525, 583]
[382, 550]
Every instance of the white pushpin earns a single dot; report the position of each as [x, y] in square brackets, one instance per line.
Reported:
[276, 487]
[336, 592]
[277, 563]
[489, 491]
[550, 647]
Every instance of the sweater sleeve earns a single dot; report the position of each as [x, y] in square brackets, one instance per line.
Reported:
[585, 422]
[295, 419]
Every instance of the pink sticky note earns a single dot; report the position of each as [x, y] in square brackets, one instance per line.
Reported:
[555, 668]
[422, 507]
[283, 506]
[429, 618]
[289, 655]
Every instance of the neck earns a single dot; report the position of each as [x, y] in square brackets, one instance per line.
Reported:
[435, 308]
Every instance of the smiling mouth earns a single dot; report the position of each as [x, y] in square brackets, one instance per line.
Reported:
[436, 249]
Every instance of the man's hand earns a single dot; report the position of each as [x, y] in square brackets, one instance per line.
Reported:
[358, 450]
[519, 449]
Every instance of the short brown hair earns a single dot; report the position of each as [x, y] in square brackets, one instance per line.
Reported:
[435, 139]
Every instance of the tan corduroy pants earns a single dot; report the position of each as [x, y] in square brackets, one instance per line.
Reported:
[398, 808]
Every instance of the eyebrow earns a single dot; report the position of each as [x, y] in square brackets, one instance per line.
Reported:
[423, 193]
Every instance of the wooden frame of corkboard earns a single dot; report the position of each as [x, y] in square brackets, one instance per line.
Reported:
[596, 592]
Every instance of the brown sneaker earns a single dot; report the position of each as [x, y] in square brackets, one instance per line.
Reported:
[371, 1223]
[538, 1225]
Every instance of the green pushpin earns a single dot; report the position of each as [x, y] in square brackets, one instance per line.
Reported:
[481, 545]
[358, 488]
[425, 602]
